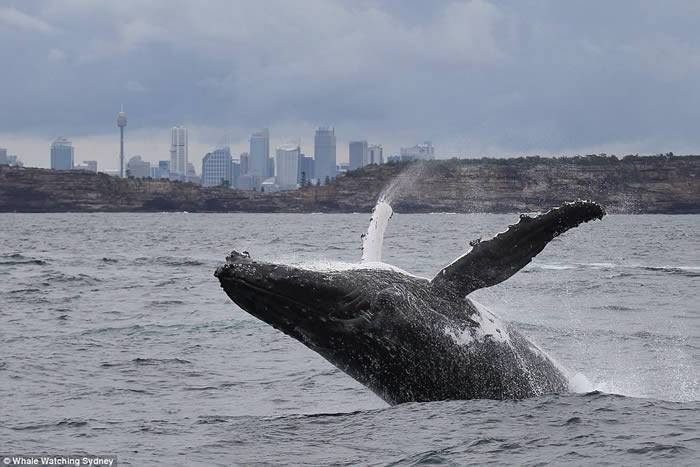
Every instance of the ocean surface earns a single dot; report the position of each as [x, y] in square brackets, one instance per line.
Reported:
[117, 339]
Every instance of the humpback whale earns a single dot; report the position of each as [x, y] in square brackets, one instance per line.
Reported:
[408, 338]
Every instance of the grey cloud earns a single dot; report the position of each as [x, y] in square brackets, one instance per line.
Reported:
[475, 76]
[16, 19]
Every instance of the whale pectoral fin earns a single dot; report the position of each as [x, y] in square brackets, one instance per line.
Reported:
[492, 261]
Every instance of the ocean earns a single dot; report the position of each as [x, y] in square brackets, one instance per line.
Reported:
[117, 340]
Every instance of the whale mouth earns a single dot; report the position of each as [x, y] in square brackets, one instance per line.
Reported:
[299, 302]
[243, 286]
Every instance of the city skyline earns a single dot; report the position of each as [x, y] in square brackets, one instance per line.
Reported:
[259, 146]
[163, 145]
[478, 78]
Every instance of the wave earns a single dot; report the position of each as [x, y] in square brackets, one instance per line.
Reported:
[60, 277]
[132, 329]
[554, 267]
[65, 423]
[688, 271]
[691, 271]
[166, 302]
[170, 261]
[615, 308]
[147, 361]
[25, 291]
[112, 391]
[18, 259]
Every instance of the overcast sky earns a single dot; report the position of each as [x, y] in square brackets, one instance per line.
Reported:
[476, 77]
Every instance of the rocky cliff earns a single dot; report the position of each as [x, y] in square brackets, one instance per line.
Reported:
[656, 184]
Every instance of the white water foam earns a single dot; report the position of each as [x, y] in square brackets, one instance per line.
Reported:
[489, 325]
[579, 383]
[331, 266]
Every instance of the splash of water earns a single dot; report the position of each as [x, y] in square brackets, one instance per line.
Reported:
[403, 183]
[373, 240]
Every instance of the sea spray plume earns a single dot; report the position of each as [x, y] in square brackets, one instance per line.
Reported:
[404, 182]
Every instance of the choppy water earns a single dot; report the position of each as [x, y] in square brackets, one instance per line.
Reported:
[116, 338]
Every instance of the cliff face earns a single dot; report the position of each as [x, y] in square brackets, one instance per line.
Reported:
[632, 185]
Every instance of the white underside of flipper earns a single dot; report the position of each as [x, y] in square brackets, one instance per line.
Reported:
[373, 240]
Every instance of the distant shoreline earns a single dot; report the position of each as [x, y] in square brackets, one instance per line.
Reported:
[633, 185]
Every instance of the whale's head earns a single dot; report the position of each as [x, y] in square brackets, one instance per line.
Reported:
[352, 317]
[316, 306]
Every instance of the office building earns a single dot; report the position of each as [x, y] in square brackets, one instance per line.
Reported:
[235, 173]
[87, 166]
[341, 168]
[178, 153]
[376, 154]
[244, 161]
[249, 182]
[269, 185]
[359, 154]
[138, 168]
[3, 157]
[191, 174]
[216, 168]
[324, 154]
[62, 154]
[163, 169]
[423, 151]
[14, 161]
[91, 166]
[270, 167]
[306, 169]
[287, 166]
[260, 154]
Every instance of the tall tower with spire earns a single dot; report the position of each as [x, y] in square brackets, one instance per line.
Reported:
[121, 123]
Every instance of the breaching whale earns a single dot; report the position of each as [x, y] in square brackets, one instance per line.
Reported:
[408, 338]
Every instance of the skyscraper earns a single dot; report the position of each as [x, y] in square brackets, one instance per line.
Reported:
[217, 167]
[287, 166]
[62, 154]
[164, 169]
[121, 123]
[178, 153]
[138, 168]
[259, 153]
[359, 154]
[235, 173]
[3, 157]
[307, 168]
[245, 163]
[376, 154]
[324, 154]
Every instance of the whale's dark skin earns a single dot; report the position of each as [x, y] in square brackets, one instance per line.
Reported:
[407, 338]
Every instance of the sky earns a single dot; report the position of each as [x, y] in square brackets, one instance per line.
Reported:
[477, 78]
